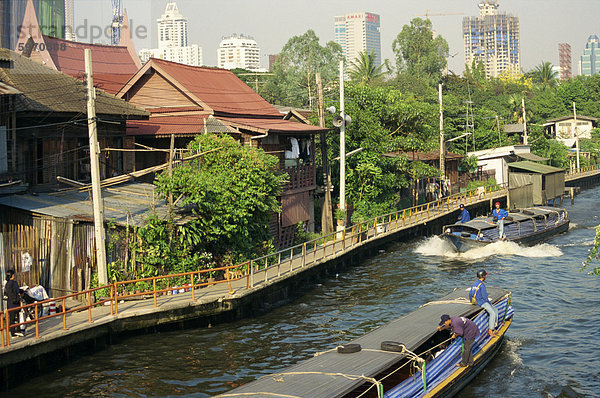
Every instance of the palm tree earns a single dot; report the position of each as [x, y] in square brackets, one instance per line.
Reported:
[363, 69]
[544, 75]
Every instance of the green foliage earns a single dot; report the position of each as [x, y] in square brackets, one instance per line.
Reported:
[231, 191]
[476, 184]
[544, 75]
[468, 164]
[556, 151]
[594, 256]
[363, 69]
[418, 53]
[293, 80]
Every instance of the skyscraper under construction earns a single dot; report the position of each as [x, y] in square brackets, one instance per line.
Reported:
[492, 38]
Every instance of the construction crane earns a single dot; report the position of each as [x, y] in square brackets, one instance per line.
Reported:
[117, 23]
[428, 14]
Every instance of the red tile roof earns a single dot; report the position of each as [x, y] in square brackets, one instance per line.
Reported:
[220, 89]
[112, 66]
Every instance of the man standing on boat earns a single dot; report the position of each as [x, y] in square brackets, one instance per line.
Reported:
[478, 296]
[499, 215]
[464, 214]
[465, 328]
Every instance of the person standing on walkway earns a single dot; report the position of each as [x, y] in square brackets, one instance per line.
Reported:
[499, 215]
[464, 214]
[478, 296]
[11, 289]
[465, 328]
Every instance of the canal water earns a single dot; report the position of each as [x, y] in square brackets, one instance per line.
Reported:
[551, 351]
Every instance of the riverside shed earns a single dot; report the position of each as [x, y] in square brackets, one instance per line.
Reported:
[548, 181]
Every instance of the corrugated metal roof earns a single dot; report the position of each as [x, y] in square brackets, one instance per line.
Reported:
[581, 117]
[272, 125]
[5, 89]
[177, 125]
[46, 90]
[513, 128]
[220, 89]
[531, 156]
[128, 203]
[534, 167]
[116, 61]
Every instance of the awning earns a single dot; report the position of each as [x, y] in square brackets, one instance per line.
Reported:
[531, 156]
[271, 125]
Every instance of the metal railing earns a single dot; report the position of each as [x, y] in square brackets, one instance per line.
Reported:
[581, 172]
[256, 271]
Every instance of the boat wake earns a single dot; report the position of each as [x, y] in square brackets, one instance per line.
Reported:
[436, 246]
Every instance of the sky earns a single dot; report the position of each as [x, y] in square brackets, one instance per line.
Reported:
[543, 23]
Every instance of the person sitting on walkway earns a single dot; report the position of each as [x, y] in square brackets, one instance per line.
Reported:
[464, 214]
[11, 290]
[478, 296]
[465, 328]
[499, 215]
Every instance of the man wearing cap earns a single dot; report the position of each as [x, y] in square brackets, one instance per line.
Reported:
[478, 296]
[465, 328]
[464, 214]
[499, 215]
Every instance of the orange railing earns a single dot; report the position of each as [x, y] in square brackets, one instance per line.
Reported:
[272, 265]
[581, 172]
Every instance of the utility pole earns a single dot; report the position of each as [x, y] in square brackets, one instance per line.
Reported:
[442, 149]
[524, 122]
[95, 170]
[342, 144]
[576, 135]
[326, 213]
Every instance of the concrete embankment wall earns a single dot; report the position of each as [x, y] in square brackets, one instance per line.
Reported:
[21, 362]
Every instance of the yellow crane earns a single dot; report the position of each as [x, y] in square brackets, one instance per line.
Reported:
[428, 14]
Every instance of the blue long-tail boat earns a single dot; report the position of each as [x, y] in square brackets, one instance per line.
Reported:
[527, 226]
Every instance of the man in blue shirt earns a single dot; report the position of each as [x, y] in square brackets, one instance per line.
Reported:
[465, 328]
[478, 296]
[499, 215]
[464, 214]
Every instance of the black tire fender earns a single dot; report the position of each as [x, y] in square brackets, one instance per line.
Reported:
[349, 348]
[392, 346]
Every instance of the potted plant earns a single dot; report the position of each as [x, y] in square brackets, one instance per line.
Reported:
[340, 216]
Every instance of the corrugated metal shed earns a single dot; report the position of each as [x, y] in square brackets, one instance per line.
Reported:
[531, 156]
[533, 167]
[125, 204]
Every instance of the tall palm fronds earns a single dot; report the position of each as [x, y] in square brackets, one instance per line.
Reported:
[363, 69]
[544, 75]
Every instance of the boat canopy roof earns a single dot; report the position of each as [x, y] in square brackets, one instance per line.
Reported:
[481, 223]
[323, 375]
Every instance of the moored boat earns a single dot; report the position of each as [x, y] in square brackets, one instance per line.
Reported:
[407, 357]
[529, 225]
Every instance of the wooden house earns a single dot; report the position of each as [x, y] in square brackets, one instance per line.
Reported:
[46, 131]
[185, 101]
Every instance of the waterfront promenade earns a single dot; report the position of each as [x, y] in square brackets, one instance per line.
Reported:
[91, 322]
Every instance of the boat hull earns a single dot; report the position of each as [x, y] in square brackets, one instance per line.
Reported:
[465, 375]
[463, 244]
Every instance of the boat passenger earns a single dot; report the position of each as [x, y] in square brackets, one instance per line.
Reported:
[464, 214]
[465, 328]
[499, 215]
[478, 296]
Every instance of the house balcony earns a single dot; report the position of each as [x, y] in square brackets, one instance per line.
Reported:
[301, 177]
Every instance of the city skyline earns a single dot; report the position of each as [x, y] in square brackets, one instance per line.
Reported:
[271, 25]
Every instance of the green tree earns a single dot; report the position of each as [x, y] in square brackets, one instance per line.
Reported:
[293, 80]
[363, 69]
[544, 75]
[418, 53]
[231, 192]
[594, 256]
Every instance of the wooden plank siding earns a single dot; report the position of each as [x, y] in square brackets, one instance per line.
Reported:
[154, 91]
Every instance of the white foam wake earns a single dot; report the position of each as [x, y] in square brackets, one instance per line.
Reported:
[435, 246]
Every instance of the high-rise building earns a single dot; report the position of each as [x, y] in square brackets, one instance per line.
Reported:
[492, 38]
[52, 17]
[564, 61]
[358, 32]
[590, 60]
[238, 51]
[173, 40]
